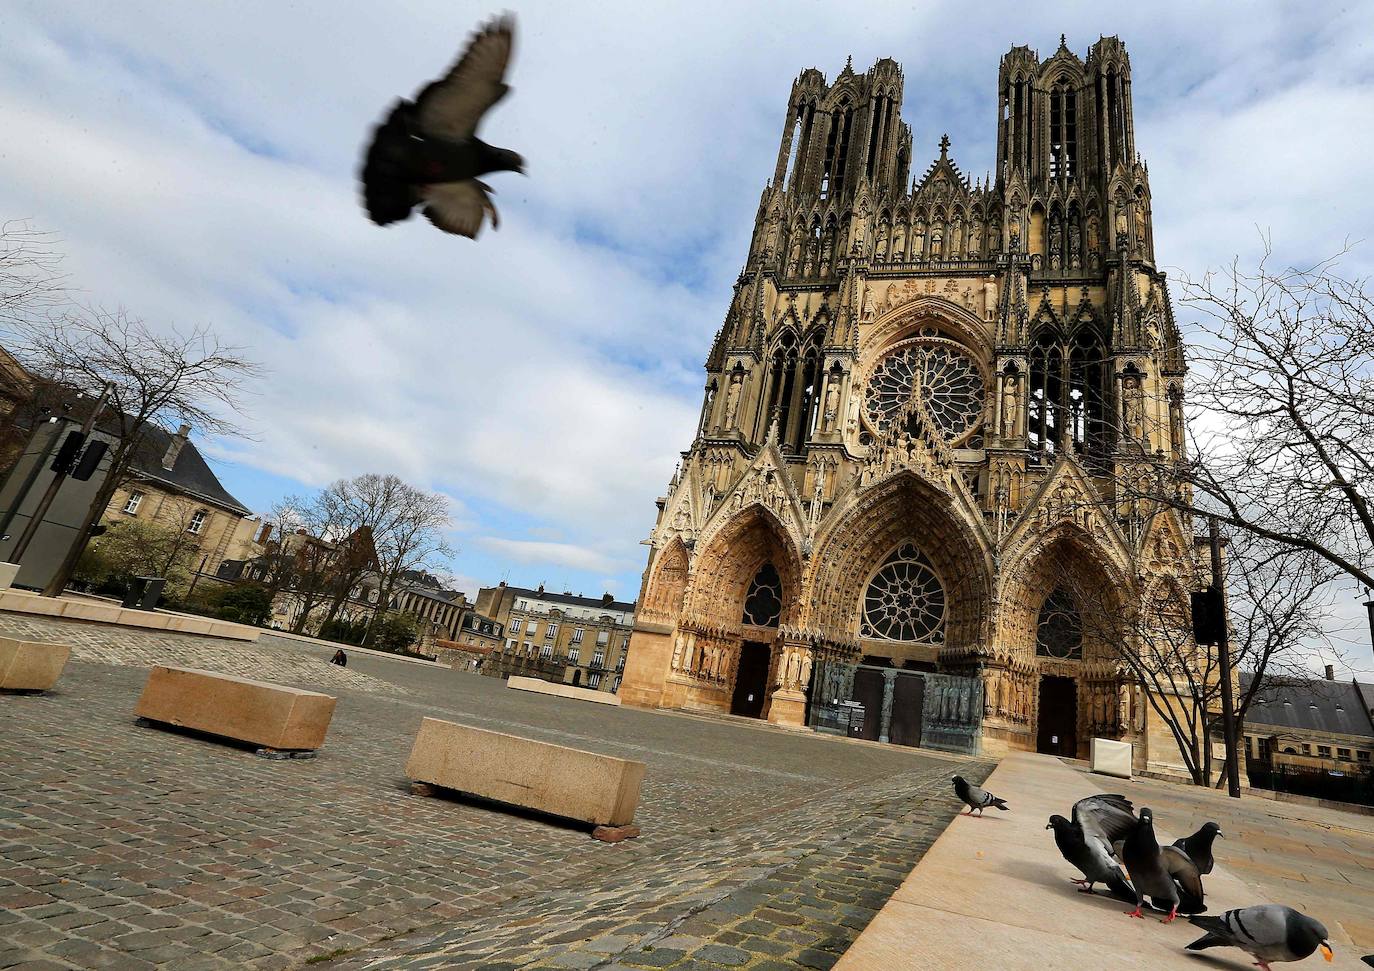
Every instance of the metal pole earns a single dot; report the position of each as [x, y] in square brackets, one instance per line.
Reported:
[196, 577]
[50, 493]
[1228, 709]
[1369, 606]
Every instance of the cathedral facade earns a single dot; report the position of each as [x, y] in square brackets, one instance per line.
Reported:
[917, 416]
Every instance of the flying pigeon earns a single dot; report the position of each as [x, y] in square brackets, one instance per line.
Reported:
[1086, 841]
[1187, 880]
[1199, 846]
[1145, 863]
[1269, 932]
[427, 151]
[976, 798]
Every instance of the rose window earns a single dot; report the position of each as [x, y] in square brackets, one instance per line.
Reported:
[905, 600]
[950, 384]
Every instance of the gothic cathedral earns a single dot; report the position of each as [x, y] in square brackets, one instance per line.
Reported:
[917, 417]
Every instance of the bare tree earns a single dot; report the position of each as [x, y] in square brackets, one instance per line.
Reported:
[413, 536]
[1281, 412]
[153, 379]
[31, 281]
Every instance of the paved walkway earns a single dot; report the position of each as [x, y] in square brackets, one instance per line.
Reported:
[994, 892]
[128, 847]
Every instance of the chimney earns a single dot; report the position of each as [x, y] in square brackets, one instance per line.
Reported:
[1331, 672]
[264, 534]
[175, 446]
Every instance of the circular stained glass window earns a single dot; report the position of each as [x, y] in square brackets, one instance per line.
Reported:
[950, 383]
[905, 600]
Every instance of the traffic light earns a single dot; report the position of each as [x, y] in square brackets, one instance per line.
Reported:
[1209, 616]
[66, 455]
[90, 460]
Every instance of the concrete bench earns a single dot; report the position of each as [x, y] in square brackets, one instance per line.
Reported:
[1110, 757]
[584, 786]
[31, 665]
[277, 717]
[560, 690]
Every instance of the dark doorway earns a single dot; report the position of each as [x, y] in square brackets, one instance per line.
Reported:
[868, 691]
[1058, 733]
[908, 695]
[751, 680]
[577, 678]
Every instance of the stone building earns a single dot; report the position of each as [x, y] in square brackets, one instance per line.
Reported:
[577, 640]
[918, 413]
[1302, 734]
[170, 483]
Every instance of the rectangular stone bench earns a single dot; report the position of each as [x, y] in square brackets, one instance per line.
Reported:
[31, 665]
[1111, 757]
[560, 690]
[584, 786]
[271, 715]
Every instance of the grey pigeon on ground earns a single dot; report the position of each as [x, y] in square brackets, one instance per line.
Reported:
[975, 797]
[1269, 932]
[1144, 862]
[1086, 841]
[1187, 880]
[427, 151]
[1199, 846]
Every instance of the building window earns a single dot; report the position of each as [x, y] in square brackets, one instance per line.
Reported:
[616, 685]
[510, 644]
[599, 659]
[1324, 751]
[529, 649]
[515, 625]
[1343, 754]
[521, 605]
[546, 651]
[1059, 632]
[905, 600]
[533, 628]
[550, 629]
[603, 637]
[577, 635]
[595, 680]
[763, 601]
[1362, 756]
[197, 522]
[135, 500]
[573, 656]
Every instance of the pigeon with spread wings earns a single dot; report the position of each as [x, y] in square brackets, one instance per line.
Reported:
[427, 151]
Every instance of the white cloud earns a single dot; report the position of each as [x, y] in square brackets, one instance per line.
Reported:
[199, 164]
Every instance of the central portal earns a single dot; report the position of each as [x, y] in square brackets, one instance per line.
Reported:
[751, 680]
[1058, 731]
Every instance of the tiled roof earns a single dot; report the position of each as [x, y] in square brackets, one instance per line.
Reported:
[1314, 705]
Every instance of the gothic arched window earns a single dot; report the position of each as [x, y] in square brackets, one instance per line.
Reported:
[1063, 130]
[763, 603]
[904, 601]
[1068, 403]
[1059, 631]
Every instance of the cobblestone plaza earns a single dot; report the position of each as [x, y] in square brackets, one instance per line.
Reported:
[129, 847]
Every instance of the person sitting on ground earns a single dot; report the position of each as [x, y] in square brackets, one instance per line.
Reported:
[339, 658]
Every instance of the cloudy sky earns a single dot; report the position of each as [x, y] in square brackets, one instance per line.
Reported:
[198, 160]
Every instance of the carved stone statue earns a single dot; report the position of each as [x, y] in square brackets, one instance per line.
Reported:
[880, 250]
[832, 403]
[1009, 406]
[956, 237]
[1140, 223]
[899, 242]
[732, 399]
[1131, 404]
[1120, 224]
[937, 237]
[1056, 244]
[989, 298]
[918, 241]
[975, 240]
[1075, 248]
